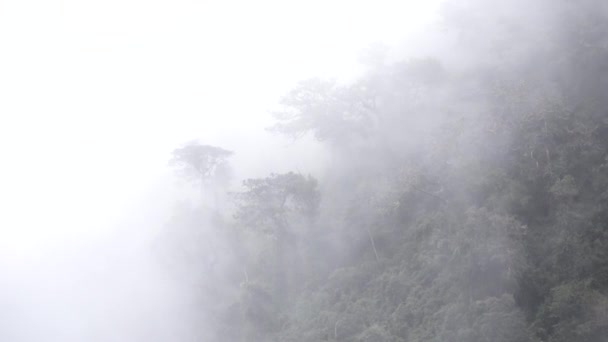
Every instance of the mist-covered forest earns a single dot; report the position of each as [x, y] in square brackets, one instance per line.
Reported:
[460, 194]
[465, 197]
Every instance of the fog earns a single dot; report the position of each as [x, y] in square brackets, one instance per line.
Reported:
[93, 98]
[96, 95]
[303, 171]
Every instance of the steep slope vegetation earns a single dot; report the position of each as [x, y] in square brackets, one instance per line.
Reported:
[466, 199]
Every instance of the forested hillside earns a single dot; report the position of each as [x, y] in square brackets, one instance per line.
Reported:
[466, 198]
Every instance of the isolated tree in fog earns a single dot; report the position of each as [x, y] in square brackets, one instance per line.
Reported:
[199, 162]
[202, 164]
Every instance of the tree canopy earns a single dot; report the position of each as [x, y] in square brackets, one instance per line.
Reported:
[197, 161]
[466, 198]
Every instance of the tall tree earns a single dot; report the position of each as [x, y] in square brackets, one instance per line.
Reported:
[202, 164]
[277, 206]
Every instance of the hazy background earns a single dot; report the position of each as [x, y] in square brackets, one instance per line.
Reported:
[95, 95]
[93, 98]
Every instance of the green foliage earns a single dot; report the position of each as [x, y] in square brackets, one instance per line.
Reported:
[573, 312]
[465, 202]
[330, 111]
[267, 204]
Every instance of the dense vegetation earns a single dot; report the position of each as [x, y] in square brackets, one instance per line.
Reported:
[466, 199]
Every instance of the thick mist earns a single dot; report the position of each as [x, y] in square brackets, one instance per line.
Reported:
[320, 171]
[94, 97]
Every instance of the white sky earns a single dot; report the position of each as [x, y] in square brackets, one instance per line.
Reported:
[93, 97]
[95, 94]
